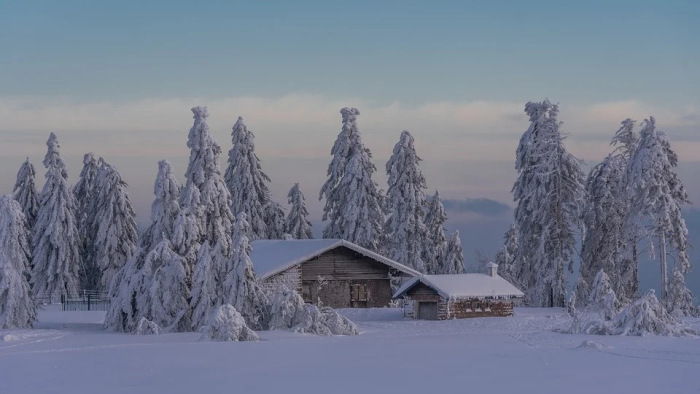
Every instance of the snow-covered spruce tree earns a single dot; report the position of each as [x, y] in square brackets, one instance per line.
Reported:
[604, 218]
[435, 247]
[211, 201]
[680, 299]
[165, 207]
[548, 191]
[625, 142]
[130, 294]
[505, 258]
[114, 226]
[55, 242]
[203, 296]
[130, 290]
[168, 292]
[185, 240]
[25, 193]
[353, 202]
[298, 224]
[610, 238]
[246, 181]
[454, 258]
[85, 192]
[275, 220]
[17, 307]
[240, 287]
[405, 205]
[657, 195]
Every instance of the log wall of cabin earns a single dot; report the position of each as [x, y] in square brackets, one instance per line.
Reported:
[331, 276]
[289, 278]
[456, 309]
[461, 309]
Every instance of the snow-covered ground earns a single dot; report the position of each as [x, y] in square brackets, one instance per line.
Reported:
[70, 353]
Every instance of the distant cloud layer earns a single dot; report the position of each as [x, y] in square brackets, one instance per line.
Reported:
[303, 125]
[482, 206]
[467, 148]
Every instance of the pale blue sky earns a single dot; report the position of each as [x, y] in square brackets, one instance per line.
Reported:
[118, 78]
[413, 51]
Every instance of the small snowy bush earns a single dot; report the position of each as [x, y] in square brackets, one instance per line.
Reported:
[226, 324]
[602, 298]
[644, 316]
[337, 323]
[680, 299]
[285, 304]
[147, 327]
[288, 312]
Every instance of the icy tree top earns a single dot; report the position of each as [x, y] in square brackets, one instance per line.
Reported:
[349, 114]
[625, 137]
[53, 158]
[26, 172]
[200, 112]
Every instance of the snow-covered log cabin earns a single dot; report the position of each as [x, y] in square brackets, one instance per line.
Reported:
[335, 272]
[459, 296]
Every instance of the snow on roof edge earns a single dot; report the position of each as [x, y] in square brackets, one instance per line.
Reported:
[425, 279]
[349, 245]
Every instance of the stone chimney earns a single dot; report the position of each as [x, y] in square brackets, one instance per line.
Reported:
[492, 269]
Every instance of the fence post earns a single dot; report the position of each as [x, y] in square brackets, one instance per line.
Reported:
[88, 297]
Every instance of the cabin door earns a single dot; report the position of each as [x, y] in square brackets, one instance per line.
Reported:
[427, 311]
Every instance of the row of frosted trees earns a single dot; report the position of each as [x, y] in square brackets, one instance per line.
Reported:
[403, 224]
[633, 195]
[194, 255]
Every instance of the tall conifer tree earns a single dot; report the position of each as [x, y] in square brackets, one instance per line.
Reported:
[25, 193]
[657, 195]
[406, 204]
[549, 193]
[298, 224]
[55, 242]
[17, 307]
[353, 206]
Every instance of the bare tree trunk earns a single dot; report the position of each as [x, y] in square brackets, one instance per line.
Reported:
[664, 269]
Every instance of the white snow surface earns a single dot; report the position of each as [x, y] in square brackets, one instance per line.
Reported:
[455, 286]
[69, 352]
[270, 257]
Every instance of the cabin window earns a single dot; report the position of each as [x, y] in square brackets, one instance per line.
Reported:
[359, 293]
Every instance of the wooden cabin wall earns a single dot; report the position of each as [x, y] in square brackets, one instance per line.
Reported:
[331, 276]
[461, 309]
[455, 309]
[290, 278]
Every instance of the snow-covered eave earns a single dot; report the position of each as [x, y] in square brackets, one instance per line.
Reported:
[349, 245]
[451, 297]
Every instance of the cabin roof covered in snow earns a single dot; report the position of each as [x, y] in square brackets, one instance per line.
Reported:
[272, 256]
[464, 286]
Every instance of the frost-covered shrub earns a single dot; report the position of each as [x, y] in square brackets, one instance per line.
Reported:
[602, 298]
[680, 299]
[337, 323]
[226, 324]
[288, 312]
[147, 327]
[285, 304]
[643, 317]
[582, 292]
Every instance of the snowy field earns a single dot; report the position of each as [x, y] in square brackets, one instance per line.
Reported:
[70, 353]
